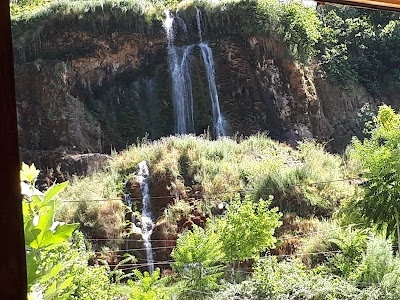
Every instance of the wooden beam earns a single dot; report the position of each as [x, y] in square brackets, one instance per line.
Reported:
[393, 5]
[12, 249]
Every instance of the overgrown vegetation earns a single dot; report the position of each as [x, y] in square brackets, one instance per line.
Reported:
[361, 45]
[379, 158]
[335, 241]
[293, 24]
[320, 255]
[306, 181]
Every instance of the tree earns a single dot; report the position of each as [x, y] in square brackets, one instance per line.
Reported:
[198, 255]
[379, 156]
[247, 229]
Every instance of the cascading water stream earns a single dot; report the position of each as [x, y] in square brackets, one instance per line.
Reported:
[179, 68]
[147, 222]
[179, 63]
[206, 52]
[218, 119]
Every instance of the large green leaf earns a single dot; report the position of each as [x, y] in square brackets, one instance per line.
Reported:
[60, 235]
[44, 224]
[53, 191]
[31, 234]
[52, 272]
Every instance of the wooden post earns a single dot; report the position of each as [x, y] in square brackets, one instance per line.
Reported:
[12, 248]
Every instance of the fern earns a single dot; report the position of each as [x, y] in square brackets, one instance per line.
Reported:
[378, 260]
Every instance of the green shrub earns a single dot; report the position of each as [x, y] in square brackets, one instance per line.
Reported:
[361, 45]
[377, 261]
[198, 256]
[177, 210]
[247, 229]
[89, 282]
[43, 235]
[148, 287]
[351, 243]
[287, 280]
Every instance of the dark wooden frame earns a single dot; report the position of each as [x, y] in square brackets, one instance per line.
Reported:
[12, 252]
[12, 248]
[375, 4]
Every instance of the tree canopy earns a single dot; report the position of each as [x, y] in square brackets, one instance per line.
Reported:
[379, 156]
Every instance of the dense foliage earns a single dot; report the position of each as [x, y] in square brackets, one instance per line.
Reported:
[247, 229]
[315, 258]
[198, 260]
[379, 157]
[361, 45]
[42, 236]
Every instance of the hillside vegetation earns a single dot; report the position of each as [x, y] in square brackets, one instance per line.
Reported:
[236, 217]
[351, 44]
[292, 23]
[293, 224]
[306, 182]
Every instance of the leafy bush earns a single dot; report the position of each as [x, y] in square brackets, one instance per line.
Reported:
[378, 156]
[177, 210]
[297, 26]
[198, 256]
[351, 243]
[43, 235]
[377, 261]
[290, 280]
[89, 282]
[148, 287]
[247, 229]
[361, 45]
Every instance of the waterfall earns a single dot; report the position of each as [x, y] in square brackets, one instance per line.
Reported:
[147, 222]
[206, 52]
[198, 20]
[179, 68]
[218, 119]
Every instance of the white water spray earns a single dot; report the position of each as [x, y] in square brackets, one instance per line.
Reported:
[147, 222]
[179, 68]
[218, 119]
[206, 52]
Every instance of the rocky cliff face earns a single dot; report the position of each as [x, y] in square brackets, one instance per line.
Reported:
[93, 90]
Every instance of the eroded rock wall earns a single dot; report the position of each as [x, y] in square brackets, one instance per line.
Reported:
[92, 91]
